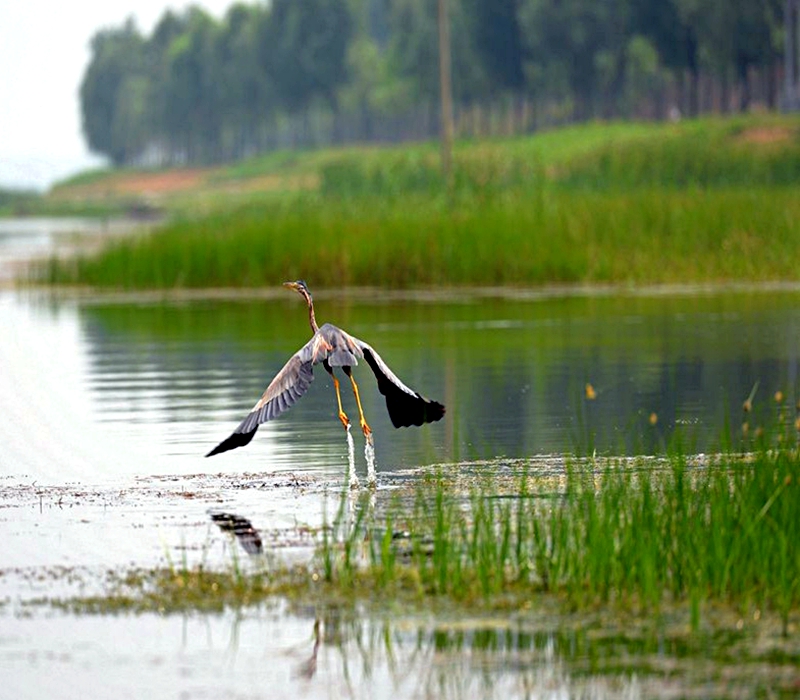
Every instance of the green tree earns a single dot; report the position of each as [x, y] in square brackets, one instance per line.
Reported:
[303, 49]
[498, 41]
[129, 132]
[741, 34]
[157, 54]
[643, 73]
[192, 90]
[414, 50]
[577, 47]
[116, 64]
[245, 90]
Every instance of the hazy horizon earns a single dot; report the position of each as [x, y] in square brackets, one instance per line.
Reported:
[44, 51]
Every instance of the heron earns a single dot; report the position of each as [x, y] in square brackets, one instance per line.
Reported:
[332, 347]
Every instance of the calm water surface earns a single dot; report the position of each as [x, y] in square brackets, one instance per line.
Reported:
[94, 389]
[30, 238]
[281, 654]
[109, 405]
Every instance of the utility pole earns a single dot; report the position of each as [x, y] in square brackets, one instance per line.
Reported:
[791, 19]
[446, 95]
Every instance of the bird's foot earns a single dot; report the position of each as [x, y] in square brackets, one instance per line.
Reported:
[367, 431]
[345, 420]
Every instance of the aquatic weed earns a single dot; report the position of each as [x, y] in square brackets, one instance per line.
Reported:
[645, 533]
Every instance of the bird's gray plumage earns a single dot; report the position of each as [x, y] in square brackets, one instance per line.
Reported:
[335, 348]
[328, 343]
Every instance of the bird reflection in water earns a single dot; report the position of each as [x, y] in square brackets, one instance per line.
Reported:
[242, 529]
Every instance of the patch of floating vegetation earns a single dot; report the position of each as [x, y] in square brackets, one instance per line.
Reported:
[651, 536]
[168, 590]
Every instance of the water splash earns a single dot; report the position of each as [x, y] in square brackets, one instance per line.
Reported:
[349, 506]
[352, 477]
[369, 455]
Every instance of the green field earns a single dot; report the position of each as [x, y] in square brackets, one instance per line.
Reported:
[702, 201]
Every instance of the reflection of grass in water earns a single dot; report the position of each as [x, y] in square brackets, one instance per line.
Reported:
[643, 535]
[616, 643]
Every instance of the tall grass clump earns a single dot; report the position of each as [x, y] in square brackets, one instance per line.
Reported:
[517, 238]
[695, 160]
[725, 530]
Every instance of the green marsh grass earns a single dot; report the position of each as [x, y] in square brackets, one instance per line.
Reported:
[650, 236]
[647, 535]
[705, 201]
[650, 536]
[738, 152]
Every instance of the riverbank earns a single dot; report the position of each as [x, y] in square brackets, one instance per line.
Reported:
[711, 201]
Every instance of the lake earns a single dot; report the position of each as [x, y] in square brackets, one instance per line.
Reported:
[159, 383]
[110, 402]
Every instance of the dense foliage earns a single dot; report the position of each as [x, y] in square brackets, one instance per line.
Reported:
[300, 72]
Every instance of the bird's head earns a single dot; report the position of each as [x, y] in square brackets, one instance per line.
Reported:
[300, 287]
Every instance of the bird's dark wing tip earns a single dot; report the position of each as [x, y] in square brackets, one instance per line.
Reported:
[234, 441]
[405, 410]
[434, 411]
[406, 407]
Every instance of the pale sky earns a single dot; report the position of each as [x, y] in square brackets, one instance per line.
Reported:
[44, 51]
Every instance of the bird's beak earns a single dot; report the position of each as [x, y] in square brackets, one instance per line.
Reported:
[290, 285]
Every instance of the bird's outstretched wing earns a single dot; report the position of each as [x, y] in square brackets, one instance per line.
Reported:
[340, 349]
[287, 386]
[406, 406]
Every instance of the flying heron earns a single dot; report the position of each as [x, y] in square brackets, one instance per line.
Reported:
[333, 347]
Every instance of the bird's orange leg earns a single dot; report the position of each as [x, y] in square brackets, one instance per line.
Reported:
[363, 421]
[342, 415]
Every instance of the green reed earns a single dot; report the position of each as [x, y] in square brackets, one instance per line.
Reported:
[701, 201]
[706, 154]
[724, 530]
[647, 236]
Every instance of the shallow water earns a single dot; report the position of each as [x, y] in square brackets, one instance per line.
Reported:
[212, 656]
[279, 652]
[30, 238]
[109, 404]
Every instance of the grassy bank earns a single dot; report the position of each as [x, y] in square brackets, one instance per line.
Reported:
[650, 236]
[702, 201]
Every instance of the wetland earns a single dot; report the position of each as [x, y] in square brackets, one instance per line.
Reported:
[109, 403]
[609, 507]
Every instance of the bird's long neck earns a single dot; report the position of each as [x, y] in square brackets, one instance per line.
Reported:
[311, 318]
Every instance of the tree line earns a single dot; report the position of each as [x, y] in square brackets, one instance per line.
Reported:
[308, 72]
